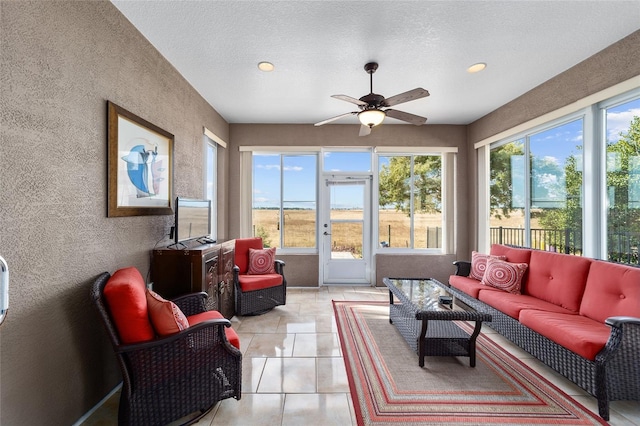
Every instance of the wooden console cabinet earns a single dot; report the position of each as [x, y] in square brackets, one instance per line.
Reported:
[195, 267]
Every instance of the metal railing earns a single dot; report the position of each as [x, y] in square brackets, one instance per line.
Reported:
[622, 245]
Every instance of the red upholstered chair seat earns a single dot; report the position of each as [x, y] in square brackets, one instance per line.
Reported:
[512, 304]
[258, 282]
[577, 333]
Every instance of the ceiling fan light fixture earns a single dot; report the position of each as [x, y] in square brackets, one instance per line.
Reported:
[266, 66]
[371, 117]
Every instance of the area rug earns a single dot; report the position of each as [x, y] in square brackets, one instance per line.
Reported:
[389, 388]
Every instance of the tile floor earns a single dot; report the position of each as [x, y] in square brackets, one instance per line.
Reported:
[293, 372]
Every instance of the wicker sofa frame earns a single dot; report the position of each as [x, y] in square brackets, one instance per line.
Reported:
[615, 373]
[170, 378]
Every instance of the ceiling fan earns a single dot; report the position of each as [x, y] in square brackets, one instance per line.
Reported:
[371, 113]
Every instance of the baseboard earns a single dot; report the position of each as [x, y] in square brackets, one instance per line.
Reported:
[98, 405]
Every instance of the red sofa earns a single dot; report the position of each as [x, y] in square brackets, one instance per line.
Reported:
[578, 315]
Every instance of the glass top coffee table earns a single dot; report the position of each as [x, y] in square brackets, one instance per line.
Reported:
[428, 326]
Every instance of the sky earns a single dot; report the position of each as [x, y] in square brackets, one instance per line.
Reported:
[300, 171]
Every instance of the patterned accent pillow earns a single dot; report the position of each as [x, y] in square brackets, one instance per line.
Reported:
[261, 261]
[479, 264]
[165, 315]
[504, 275]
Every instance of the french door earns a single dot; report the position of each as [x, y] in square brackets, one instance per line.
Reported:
[346, 230]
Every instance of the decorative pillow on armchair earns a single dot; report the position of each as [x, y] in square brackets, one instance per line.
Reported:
[261, 261]
[165, 315]
[479, 264]
[504, 275]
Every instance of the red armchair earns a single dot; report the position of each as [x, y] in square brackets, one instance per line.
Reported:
[258, 278]
[166, 377]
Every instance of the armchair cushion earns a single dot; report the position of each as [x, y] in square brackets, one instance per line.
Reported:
[262, 261]
[125, 294]
[242, 252]
[258, 282]
[165, 315]
[232, 336]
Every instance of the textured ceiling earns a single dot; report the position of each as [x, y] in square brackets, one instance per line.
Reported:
[319, 48]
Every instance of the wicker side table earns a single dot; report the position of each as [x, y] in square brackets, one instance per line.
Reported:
[426, 325]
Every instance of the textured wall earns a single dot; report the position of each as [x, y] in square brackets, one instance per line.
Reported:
[346, 135]
[60, 62]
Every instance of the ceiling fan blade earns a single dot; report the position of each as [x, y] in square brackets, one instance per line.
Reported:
[405, 116]
[411, 95]
[329, 120]
[364, 130]
[350, 99]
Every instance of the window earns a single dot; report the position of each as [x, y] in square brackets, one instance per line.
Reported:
[210, 181]
[623, 181]
[578, 191]
[538, 203]
[284, 199]
[410, 201]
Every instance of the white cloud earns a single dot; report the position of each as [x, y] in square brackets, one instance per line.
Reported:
[277, 167]
[618, 122]
[268, 166]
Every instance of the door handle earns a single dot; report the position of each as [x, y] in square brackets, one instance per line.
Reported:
[325, 233]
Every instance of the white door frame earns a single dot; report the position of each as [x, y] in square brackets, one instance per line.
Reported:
[335, 270]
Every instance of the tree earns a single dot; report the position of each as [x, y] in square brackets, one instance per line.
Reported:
[395, 183]
[623, 179]
[501, 197]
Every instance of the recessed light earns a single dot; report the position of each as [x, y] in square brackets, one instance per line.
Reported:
[266, 66]
[477, 67]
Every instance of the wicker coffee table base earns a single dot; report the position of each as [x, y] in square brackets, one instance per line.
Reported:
[434, 332]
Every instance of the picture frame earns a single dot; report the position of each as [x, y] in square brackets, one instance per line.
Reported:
[140, 165]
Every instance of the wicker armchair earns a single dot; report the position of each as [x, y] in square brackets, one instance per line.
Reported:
[256, 294]
[178, 377]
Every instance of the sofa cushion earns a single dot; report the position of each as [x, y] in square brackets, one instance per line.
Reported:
[125, 294]
[258, 282]
[557, 278]
[262, 261]
[242, 247]
[504, 275]
[479, 264]
[512, 304]
[515, 255]
[468, 285]
[232, 336]
[611, 290]
[577, 333]
[165, 315]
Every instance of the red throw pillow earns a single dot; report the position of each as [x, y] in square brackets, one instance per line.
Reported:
[479, 264]
[504, 275]
[261, 261]
[165, 315]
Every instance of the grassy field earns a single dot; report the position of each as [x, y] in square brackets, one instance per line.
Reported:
[394, 228]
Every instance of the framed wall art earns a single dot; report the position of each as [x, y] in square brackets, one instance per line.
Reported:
[140, 165]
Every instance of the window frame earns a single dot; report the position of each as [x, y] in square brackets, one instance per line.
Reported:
[448, 187]
[211, 145]
[593, 110]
